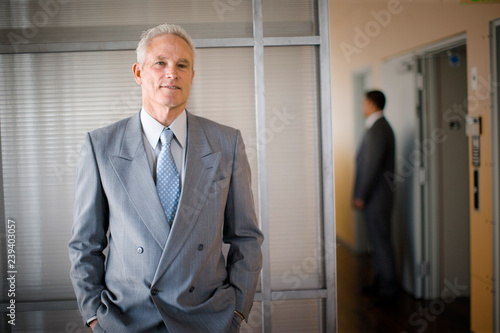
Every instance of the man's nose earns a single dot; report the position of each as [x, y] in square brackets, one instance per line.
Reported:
[171, 72]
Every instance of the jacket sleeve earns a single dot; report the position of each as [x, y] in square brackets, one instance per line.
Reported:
[371, 163]
[241, 231]
[88, 239]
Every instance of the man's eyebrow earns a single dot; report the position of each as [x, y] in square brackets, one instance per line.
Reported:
[158, 58]
[184, 60]
[181, 60]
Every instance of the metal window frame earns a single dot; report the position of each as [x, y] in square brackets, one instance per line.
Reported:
[328, 322]
[328, 210]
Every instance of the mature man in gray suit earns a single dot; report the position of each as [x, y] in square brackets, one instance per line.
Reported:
[373, 195]
[163, 190]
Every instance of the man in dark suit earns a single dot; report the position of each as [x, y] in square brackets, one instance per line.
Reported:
[373, 195]
[163, 190]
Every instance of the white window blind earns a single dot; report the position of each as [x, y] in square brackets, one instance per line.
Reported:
[120, 20]
[48, 102]
[290, 18]
[295, 195]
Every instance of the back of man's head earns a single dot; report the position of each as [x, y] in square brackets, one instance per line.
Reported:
[377, 98]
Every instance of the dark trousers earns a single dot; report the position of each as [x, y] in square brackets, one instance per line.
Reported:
[378, 221]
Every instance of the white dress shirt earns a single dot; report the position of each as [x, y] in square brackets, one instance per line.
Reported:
[152, 129]
[372, 119]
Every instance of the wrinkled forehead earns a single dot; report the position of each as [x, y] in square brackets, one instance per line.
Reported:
[169, 46]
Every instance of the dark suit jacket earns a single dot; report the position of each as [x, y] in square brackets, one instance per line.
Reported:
[375, 166]
[155, 273]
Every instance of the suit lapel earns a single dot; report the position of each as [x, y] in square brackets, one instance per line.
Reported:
[132, 167]
[201, 165]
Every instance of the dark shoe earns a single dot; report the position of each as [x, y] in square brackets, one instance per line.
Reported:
[371, 290]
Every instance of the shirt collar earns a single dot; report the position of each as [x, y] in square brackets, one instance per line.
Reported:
[152, 128]
[373, 118]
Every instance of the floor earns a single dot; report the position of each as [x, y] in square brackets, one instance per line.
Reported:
[408, 315]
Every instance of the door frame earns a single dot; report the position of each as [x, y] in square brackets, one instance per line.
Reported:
[430, 267]
[495, 146]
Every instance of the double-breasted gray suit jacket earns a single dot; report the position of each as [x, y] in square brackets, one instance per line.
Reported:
[375, 167]
[156, 276]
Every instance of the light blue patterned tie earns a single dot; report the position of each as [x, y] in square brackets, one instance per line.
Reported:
[167, 177]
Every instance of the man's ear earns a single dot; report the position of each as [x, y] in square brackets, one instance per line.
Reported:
[136, 69]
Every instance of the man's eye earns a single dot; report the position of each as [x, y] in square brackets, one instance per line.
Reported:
[161, 63]
[182, 66]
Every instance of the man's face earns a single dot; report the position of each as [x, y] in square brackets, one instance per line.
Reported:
[368, 107]
[167, 73]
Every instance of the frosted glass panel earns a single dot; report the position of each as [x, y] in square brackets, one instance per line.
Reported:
[47, 103]
[294, 165]
[120, 20]
[287, 316]
[288, 18]
[297, 316]
[254, 324]
[223, 91]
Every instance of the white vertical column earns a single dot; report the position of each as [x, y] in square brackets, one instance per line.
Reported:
[260, 108]
[327, 162]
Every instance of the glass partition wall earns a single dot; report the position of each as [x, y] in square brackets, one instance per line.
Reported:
[262, 66]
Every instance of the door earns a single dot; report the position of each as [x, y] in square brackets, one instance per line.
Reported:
[444, 147]
[426, 107]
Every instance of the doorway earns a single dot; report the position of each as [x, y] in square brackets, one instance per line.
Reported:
[444, 150]
[426, 106]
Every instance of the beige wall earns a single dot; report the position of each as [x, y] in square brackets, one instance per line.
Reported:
[409, 26]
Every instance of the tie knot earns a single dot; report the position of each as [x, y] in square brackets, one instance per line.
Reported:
[166, 136]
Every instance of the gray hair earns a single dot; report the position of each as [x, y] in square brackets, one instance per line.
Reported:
[162, 29]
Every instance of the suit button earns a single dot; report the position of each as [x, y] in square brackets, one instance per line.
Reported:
[200, 247]
[191, 289]
[140, 250]
[154, 292]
